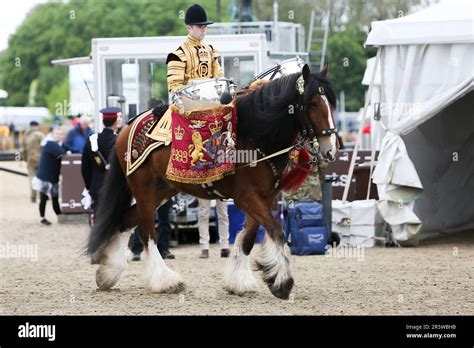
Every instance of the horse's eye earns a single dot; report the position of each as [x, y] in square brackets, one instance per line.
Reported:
[314, 104]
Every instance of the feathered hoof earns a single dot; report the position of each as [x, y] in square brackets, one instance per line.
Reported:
[239, 292]
[106, 277]
[171, 289]
[283, 290]
[166, 283]
[242, 287]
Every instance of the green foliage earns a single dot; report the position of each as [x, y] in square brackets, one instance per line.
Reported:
[57, 30]
[347, 61]
[349, 21]
[58, 97]
[159, 88]
[50, 76]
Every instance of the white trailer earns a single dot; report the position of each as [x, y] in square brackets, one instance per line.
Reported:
[131, 71]
[128, 72]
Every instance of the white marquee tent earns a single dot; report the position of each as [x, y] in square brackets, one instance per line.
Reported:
[425, 84]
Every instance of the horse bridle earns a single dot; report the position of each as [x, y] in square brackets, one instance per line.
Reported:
[309, 140]
[301, 107]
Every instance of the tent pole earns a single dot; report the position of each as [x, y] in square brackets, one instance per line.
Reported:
[359, 135]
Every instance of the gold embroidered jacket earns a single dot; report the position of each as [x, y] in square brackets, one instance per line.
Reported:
[193, 60]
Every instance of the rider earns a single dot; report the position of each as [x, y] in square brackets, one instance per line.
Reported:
[194, 59]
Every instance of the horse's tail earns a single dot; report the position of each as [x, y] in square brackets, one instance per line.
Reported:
[115, 199]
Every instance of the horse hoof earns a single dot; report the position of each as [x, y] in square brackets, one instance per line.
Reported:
[239, 293]
[171, 289]
[168, 282]
[101, 284]
[176, 289]
[249, 287]
[283, 291]
[105, 279]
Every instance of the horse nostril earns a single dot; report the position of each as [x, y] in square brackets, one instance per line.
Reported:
[330, 156]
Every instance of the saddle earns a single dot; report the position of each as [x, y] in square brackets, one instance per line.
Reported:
[146, 134]
[162, 130]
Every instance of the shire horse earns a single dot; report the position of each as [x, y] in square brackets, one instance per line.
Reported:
[269, 119]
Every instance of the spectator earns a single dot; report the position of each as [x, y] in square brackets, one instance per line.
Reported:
[31, 152]
[203, 223]
[77, 137]
[76, 120]
[46, 181]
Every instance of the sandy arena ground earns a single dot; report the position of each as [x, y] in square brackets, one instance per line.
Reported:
[435, 278]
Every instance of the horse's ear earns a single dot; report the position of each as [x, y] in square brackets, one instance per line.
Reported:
[306, 73]
[325, 70]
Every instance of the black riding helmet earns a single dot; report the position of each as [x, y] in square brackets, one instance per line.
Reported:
[196, 15]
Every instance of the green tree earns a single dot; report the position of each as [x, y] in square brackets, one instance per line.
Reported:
[347, 61]
[64, 29]
[349, 23]
[58, 97]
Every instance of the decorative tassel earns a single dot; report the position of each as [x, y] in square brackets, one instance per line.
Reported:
[296, 176]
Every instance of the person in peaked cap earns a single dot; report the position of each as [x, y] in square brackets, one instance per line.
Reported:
[194, 58]
[95, 156]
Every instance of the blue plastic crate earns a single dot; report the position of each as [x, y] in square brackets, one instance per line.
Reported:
[236, 224]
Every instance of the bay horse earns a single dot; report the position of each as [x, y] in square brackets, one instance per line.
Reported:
[269, 119]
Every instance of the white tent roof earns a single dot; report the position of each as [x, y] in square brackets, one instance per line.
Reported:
[448, 22]
[424, 82]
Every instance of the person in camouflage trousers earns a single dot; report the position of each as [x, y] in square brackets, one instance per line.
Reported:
[31, 152]
[311, 188]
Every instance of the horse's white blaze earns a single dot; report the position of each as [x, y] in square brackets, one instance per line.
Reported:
[113, 261]
[332, 137]
[277, 261]
[238, 276]
[158, 277]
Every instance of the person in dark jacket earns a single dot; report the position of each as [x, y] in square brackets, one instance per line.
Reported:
[77, 137]
[97, 150]
[46, 181]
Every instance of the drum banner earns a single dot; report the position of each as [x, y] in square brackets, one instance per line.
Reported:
[202, 141]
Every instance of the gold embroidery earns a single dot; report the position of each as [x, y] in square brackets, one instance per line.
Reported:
[196, 149]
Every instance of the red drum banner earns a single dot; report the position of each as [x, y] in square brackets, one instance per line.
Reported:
[202, 140]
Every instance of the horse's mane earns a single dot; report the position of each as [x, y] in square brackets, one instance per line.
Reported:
[266, 116]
